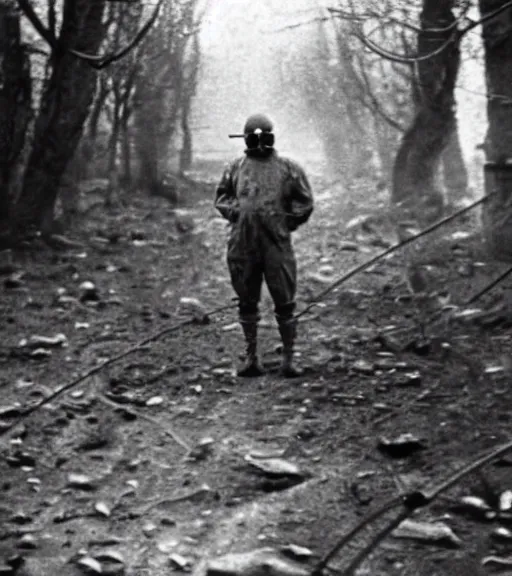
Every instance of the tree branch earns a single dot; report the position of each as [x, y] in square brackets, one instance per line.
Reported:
[375, 105]
[33, 18]
[52, 18]
[486, 18]
[102, 61]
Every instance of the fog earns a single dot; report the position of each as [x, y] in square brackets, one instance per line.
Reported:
[243, 44]
[246, 46]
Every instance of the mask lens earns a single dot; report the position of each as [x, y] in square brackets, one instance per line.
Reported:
[267, 139]
[252, 140]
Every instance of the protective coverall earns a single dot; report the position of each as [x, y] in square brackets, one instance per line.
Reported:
[265, 197]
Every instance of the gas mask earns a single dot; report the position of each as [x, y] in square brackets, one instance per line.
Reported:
[258, 136]
[259, 139]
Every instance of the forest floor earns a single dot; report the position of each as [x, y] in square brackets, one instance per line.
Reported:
[165, 460]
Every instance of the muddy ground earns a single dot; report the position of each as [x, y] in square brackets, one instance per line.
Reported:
[148, 457]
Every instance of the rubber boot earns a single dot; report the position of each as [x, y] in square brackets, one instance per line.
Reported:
[251, 368]
[288, 332]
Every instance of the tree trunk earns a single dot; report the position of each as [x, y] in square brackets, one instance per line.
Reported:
[186, 149]
[455, 174]
[497, 213]
[415, 173]
[15, 101]
[113, 176]
[126, 150]
[64, 108]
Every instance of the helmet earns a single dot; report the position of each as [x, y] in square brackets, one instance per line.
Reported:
[258, 121]
[258, 132]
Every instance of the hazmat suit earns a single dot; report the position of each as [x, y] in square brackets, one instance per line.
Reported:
[265, 197]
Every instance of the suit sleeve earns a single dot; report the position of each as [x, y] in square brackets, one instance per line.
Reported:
[301, 198]
[226, 201]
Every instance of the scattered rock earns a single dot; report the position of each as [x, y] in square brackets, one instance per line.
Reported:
[155, 401]
[275, 467]
[506, 501]
[202, 449]
[27, 542]
[436, 532]
[89, 565]
[261, 562]
[196, 308]
[180, 562]
[81, 481]
[15, 280]
[149, 528]
[363, 367]
[474, 507]
[296, 552]
[401, 446]
[502, 534]
[89, 292]
[12, 411]
[102, 509]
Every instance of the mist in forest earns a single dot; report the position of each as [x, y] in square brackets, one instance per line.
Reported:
[244, 49]
[247, 50]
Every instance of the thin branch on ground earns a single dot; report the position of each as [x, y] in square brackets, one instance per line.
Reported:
[412, 502]
[408, 405]
[489, 287]
[390, 250]
[79, 379]
[168, 431]
[183, 498]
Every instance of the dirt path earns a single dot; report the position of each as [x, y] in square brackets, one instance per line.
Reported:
[147, 496]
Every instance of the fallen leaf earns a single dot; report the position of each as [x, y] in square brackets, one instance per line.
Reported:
[475, 507]
[274, 466]
[90, 565]
[102, 509]
[181, 562]
[494, 369]
[502, 533]
[80, 481]
[196, 308]
[109, 556]
[155, 401]
[167, 545]
[497, 561]
[506, 501]
[298, 552]
[426, 531]
[363, 367]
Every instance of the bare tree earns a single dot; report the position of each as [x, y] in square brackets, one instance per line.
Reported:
[15, 102]
[497, 36]
[74, 31]
[164, 87]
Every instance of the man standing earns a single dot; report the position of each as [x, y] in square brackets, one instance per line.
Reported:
[265, 197]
